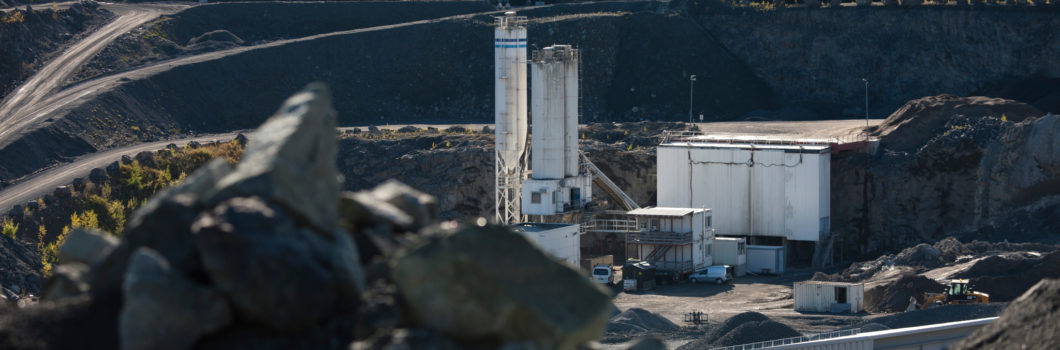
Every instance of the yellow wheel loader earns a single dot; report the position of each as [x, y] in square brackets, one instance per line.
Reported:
[958, 292]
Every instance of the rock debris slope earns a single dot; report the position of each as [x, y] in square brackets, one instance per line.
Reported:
[271, 254]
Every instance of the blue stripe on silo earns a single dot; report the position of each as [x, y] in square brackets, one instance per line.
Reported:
[510, 40]
[509, 46]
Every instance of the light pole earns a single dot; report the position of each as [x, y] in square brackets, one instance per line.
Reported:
[691, 90]
[866, 102]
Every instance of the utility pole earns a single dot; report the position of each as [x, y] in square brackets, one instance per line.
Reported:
[866, 102]
[691, 90]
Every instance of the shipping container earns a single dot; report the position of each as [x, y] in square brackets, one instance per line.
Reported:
[821, 296]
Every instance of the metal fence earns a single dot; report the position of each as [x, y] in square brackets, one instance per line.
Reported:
[792, 340]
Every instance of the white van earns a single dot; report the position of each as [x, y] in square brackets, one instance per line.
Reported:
[718, 274]
[603, 274]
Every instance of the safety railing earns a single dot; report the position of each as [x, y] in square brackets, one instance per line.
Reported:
[792, 340]
[609, 225]
[662, 238]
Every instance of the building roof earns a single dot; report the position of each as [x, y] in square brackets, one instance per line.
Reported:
[536, 227]
[664, 211]
[790, 148]
[830, 283]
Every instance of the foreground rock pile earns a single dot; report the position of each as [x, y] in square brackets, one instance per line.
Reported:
[1030, 322]
[271, 254]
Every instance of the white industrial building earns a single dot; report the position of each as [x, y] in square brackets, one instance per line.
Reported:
[559, 240]
[822, 296]
[673, 239]
[558, 183]
[510, 114]
[753, 189]
[731, 251]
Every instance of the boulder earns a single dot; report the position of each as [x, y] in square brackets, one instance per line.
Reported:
[277, 275]
[459, 283]
[86, 246]
[421, 207]
[163, 310]
[67, 280]
[922, 254]
[62, 192]
[291, 160]
[164, 227]
[98, 176]
[145, 158]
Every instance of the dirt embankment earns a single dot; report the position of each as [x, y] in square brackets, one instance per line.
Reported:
[457, 166]
[976, 168]
[220, 26]
[30, 38]
[435, 72]
[818, 57]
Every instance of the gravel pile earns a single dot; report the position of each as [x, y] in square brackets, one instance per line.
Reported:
[894, 296]
[755, 332]
[941, 314]
[637, 320]
[747, 327]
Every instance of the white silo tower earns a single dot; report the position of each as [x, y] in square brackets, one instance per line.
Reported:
[557, 184]
[510, 124]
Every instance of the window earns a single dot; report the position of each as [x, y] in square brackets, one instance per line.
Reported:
[535, 197]
[600, 272]
[841, 295]
[654, 224]
[708, 221]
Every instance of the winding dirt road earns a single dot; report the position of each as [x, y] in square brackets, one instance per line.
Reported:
[45, 182]
[50, 79]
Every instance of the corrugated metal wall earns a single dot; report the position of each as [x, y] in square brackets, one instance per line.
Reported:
[766, 192]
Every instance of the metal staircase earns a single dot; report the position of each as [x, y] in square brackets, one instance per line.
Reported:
[605, 183]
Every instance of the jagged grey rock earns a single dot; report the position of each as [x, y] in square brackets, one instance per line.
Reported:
[86, 246]
[291, 160]
[164, 224]
[67, 280]
[278, 275]
[164, 227]
[421, 207]
[163, 310]
[459, 283]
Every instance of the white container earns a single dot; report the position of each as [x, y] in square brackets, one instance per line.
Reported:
[819, 296]
[763, 259]
[731, 251]
[561, 241]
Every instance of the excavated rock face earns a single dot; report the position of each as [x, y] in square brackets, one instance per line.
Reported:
[271, 254]
[974, 167]
[1030, 322]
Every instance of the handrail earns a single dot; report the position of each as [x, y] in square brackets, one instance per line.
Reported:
[793, 340]
[607, 185]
